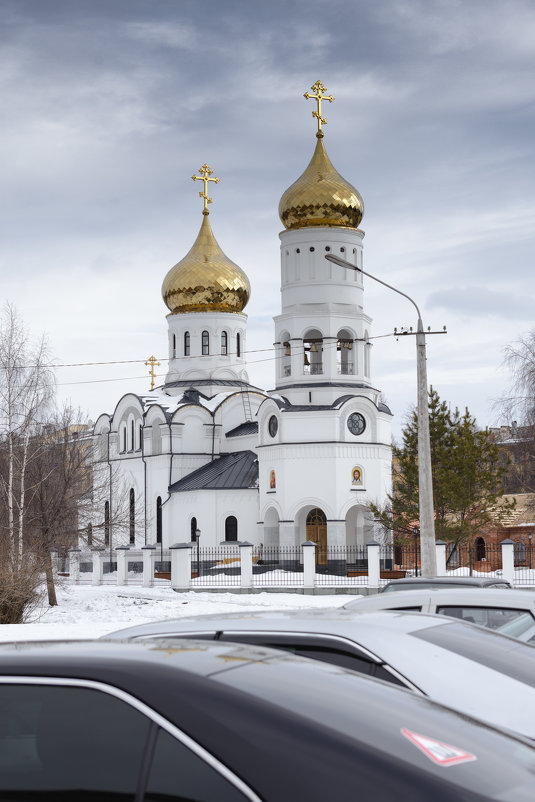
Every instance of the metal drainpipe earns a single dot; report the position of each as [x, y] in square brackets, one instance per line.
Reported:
[144, 480]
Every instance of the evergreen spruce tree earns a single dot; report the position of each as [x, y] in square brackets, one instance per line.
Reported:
[467, 477]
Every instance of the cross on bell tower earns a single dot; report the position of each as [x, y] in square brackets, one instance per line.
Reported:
[205, 173]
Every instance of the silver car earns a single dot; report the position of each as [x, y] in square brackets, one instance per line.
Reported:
[474, 670]
[511, 613]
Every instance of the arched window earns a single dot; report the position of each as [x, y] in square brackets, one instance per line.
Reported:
[224, 343]
[140, 432]
[123, 432]
[193, 530]
[231, 528]
[174, 346]
[132, 435]
[313, 353]
[132, 516]
[238, 345]
[344, 352]
[481, 553]
[89, 534]
[186, 343]
[159, 519]
[107, 523]
[205, 343]
[286, 363]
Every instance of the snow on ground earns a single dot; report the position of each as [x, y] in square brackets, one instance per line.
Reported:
[88, 612]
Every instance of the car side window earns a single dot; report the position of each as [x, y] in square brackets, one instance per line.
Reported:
[177, 774]
[490, 617]
[70, 742]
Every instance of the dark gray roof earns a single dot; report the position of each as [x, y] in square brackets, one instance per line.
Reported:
[236, 471]
[249, 427]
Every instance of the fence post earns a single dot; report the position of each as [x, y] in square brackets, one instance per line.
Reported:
[74, 566]
[149, 557]
[54, 560]
[508, 560]
[246, 564]
[96, 578]
[181, 566]
[122, 564]
[374, 563]
[309, 564]
[440, 547]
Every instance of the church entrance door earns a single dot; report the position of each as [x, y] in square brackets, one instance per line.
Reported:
[316, 531]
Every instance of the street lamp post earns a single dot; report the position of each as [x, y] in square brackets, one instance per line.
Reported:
[416, 533]
[425, 478]
[198, 541]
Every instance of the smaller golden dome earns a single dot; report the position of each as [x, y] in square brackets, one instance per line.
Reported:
[321, 197]
[206, 280]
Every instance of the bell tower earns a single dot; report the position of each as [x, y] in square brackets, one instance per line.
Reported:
[322, 334]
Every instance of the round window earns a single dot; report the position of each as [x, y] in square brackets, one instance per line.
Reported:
[273, 425]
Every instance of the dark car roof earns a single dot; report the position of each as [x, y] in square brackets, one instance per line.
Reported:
[327, 731]
[475, 581]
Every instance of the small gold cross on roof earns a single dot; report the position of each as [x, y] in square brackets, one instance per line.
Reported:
[318, 97]
[152, 362]
[205, 173]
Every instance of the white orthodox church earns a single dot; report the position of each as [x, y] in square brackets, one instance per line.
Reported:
[207, 450]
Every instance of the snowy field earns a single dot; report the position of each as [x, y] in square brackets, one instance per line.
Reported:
[88, 612]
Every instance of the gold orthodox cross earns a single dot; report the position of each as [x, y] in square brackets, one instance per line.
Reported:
[205, 173]
[318, 97]
[152, 362]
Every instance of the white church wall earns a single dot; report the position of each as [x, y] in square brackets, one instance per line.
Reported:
[211, 509]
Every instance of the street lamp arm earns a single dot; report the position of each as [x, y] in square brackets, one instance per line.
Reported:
[337, 260]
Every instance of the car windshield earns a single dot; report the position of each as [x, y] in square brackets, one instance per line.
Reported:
[505, 655]
[522, 627]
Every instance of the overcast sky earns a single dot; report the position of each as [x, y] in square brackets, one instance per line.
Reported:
[109, 106]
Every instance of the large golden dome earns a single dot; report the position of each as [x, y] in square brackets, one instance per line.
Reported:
[206, 280]
[321, 197]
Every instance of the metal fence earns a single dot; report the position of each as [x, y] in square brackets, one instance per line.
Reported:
[277, 566]
[217, 565]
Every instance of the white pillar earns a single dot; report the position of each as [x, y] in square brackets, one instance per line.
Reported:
[246, 564]
[149, 557]
[54, 560]
[181, 566]
[309, 564]
[122, 564]
[374, 563]
[440, 546]
[508, 560]
[98, 555]
[74, 566]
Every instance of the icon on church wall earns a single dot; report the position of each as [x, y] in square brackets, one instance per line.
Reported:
[356, 476]
[272, 480]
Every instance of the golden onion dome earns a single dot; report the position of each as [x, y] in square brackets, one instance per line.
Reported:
[206, 280]
[321, 197]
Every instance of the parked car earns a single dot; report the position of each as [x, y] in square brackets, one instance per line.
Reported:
[510, 613]
[414, 582]
[225, 722]
[484, 674]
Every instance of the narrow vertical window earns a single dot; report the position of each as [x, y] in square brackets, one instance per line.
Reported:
[231, 528]
[224, 343]
[238, 345]
[186, 343]
[107, 523]
[124, 437]
[132, 436]
[132, 516]
[159, 520]
[174, 346]
[193, 530]
[89, 534]
[140, 441]
[205, 343]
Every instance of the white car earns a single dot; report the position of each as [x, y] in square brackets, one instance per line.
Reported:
[471, 669]
[511, 613]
